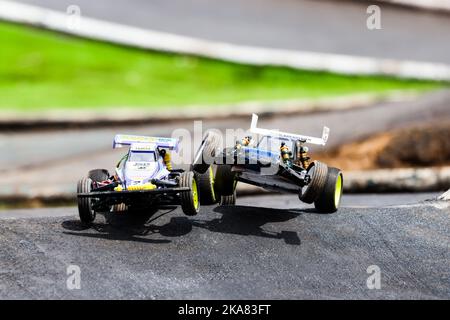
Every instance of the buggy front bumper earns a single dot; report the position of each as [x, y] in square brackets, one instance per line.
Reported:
[132, 193]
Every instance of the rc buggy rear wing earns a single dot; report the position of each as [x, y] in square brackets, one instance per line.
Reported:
[290, 136]
[121, 140]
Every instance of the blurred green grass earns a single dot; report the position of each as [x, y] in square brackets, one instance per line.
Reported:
[42, 70]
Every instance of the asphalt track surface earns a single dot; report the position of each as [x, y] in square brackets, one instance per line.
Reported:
[310, 25]
[264, 247]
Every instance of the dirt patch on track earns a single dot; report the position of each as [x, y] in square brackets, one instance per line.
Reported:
[418, 146]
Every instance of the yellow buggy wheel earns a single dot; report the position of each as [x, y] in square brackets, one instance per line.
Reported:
[206, 186]
[330, 198]
[190, 200]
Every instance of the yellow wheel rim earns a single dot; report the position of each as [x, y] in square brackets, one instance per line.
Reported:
[195, 194]
[338, 190]
[211, 181]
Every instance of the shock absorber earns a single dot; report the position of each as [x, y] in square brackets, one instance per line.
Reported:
[298, 145]
[304, 157]
[285, 153]
[166, 159]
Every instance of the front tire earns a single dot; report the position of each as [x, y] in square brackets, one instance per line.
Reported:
[330, 198]
[318, 172]
[190, 202]
[206, 187]
[225, 181]
[87, 215]
[99, 175]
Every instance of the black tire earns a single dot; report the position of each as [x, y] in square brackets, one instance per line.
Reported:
[225, 181]
[87, 215]
[190, 200]
[99, 175]
[207, 151]
[317, 183]
[330, 198]
[206, 187]
[228, 200]
[119, 207]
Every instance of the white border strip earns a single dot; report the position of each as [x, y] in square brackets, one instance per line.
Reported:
[402, 179]
[438, 5]
[154, 40]
[445, 196]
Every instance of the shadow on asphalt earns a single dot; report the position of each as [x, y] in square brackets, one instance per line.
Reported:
[248, 221]
[240, 220]
[132, 226]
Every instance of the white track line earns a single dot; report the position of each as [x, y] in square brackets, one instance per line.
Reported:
[155, 40]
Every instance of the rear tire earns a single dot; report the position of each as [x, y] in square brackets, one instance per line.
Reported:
[330, 198]
[317, 183]
[207, 151]
[87, 215]
[119, 207]
[190, 202]
[99, 175]
[228, 200]
[206, 187]
[225, 181]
